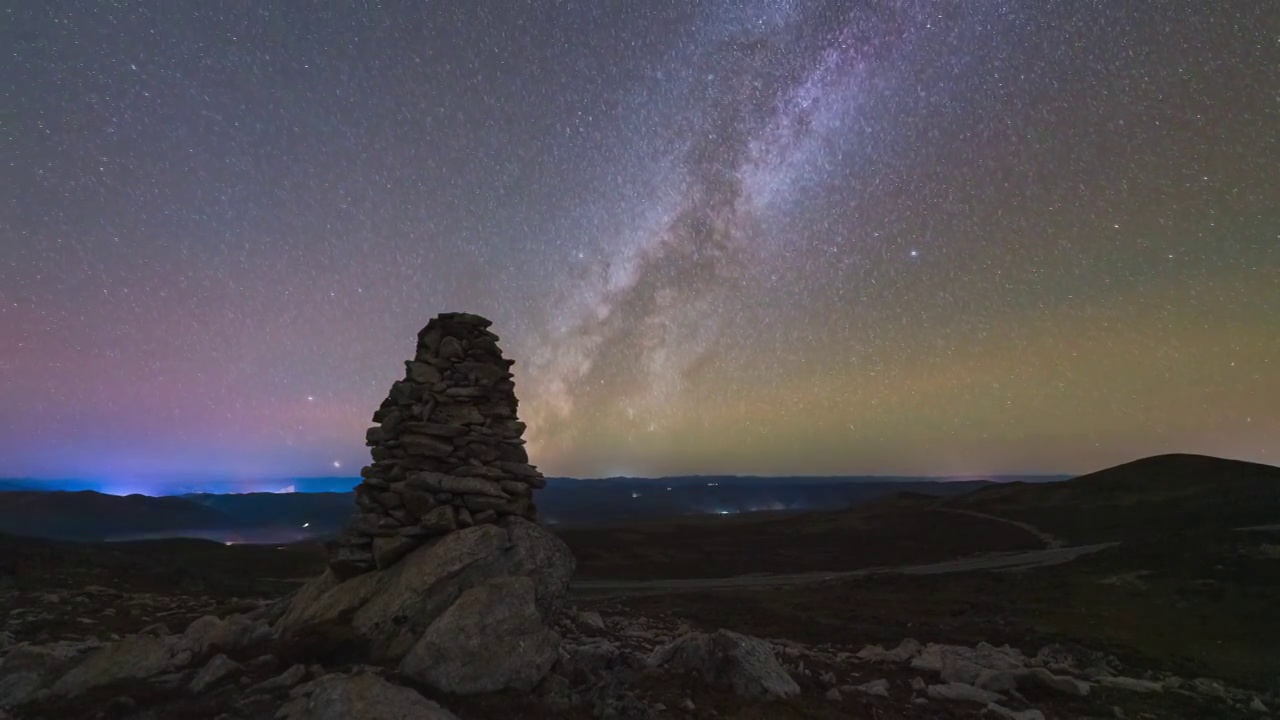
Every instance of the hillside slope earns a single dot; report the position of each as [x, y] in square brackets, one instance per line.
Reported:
[1156, 496]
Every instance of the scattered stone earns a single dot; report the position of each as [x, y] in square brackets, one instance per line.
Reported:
[133, 658]
[961, 691]
[360, 697]
[287, 679]
[906, 651]
[1003, 712]
[834, 695]
[744, 663]
[1060, 683]
[1257, 706]
[1131, 684]
[592, 620]
[877, 688]
[216, 669]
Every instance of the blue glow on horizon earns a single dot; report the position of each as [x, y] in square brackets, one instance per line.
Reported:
[170, 487]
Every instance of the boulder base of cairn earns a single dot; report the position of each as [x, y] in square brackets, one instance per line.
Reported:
[447, 451]
[443, 571]
[466, 612]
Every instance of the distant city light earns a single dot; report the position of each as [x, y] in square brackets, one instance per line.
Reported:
[635, 494]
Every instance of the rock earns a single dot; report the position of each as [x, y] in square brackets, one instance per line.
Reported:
[744, 663]
[450, 348]
[156, 629]
[877, 688]
[28, 669]
[439, 521]
[360, 697]
[958, 664]
[906, 650]
[1001, 711]
[592, 620]
[387, 551]
[589, 658]
[391, 608]
[216, 669]
[961, 691]
[834, 695]
[1130, 684]
[210, 632]
[287, 679]
[918, 684]
[428, 445]
[1060, 683]
[1257, 706]
[133, 658]
[998, 681]
[1206, 686]
[491, 639]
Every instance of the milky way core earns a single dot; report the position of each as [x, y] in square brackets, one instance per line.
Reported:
[884, 237]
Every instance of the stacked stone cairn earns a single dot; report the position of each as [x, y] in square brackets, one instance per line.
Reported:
[447, 450]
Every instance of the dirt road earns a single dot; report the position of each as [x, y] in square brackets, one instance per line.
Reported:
[995, 561]
[1050, 542]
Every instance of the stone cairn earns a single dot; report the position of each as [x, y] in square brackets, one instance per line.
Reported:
[447, 453]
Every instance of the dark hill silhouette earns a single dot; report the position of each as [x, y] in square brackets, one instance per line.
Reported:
[1153, 496]
[89, 515]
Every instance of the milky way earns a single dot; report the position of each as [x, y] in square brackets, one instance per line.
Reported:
[899, 236]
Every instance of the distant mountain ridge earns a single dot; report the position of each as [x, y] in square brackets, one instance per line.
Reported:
[283, 517]
[1152, 494]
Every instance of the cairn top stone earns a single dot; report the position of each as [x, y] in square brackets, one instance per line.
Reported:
[447, 451]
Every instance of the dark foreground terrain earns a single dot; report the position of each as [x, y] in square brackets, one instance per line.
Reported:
[1178, 619]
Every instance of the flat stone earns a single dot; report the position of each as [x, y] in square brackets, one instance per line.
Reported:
[428, 445]
[457, 484]
[433, 428]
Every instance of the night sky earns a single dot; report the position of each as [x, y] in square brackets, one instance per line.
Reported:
[900, 236]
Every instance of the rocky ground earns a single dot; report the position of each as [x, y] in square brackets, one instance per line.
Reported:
[608, 666]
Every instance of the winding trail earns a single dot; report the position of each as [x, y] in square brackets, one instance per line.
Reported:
[1050, 542]
[994, 561]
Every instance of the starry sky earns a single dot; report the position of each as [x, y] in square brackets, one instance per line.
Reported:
[722, 236]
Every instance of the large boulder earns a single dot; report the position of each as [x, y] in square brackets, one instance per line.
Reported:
[134, 657]
[746, 664]
[491, 639]
[360, 697]
[28, 669]
[391, 611]
[143, 656]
